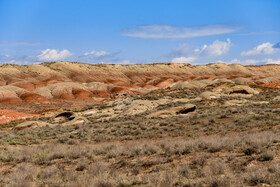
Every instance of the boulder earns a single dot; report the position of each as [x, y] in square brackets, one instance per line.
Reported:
[183, 85]
[209, 95]
[173, 111]
[141, 106]
[241, 90]
[224, 80]
[235, 102]
[277, 98]
[184, 109]
[31, 124]
[77, 121]
[243, 81]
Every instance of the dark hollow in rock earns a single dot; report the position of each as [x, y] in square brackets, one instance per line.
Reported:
[186, 110]
[239, 92]
[67, 115]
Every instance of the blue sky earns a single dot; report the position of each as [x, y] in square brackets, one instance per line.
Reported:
[140, 31]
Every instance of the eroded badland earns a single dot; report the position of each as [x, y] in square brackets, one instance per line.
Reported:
[74, 124]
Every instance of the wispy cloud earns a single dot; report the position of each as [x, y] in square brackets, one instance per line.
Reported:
[258, 33]
[97, 53]
[17, 59]
[262, 49]
[244, 62]
[169, 32]
[11, 43]
[253, 61]
[97, 56]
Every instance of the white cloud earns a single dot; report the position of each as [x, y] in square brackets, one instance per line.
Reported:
[187, 54]
[271, 61]
[217, 48]
[97, 57]
[244, 62]
[167, 31]
[252, 61]
[97, 53]
[234, 61]
[54, 55]
[265, 48]
[183, 59]
[17, 59]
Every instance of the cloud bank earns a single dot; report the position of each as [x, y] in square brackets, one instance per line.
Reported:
[187, 54]
[252, 61]
[264, 49]
[169, 32]
[51, 55]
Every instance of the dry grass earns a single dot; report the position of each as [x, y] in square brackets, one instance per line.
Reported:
[215, 146]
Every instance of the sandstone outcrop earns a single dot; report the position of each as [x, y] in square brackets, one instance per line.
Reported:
[209, 95]
[241, 89]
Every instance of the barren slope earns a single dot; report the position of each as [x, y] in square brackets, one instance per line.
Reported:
[58, 82]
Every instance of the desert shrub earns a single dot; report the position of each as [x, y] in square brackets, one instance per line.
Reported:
[23, 175]
[267, 156]
[214, 168]
[217, 181]
[6, 157]
[184, 170]
[249, 149]
[256, 176]
[40, 158]
[200, 160]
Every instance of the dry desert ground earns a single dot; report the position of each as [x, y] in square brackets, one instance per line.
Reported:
[75, 124]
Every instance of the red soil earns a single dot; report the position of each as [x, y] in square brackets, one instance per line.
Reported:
[7, 116]
[32, 97]
[272, 85]
[81, 94]
[10, 100]
[164, 83]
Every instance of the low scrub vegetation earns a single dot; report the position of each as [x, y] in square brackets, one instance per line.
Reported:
[216, 145]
